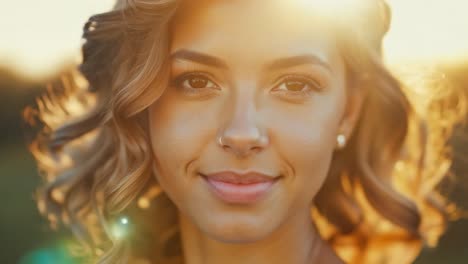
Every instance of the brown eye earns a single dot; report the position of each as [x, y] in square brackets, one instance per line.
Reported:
[298, 84]
[197, 82]
[295, 85]
[194, 81]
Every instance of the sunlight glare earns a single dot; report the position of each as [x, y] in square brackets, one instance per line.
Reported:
[334, 8]
[427, 31]
[38, 40]
[39, 37]
[331, 5]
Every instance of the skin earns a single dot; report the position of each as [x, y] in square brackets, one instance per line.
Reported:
[267, 124]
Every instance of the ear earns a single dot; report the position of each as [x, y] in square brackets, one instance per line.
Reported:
[354, 101]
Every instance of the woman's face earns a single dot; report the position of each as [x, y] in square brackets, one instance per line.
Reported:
[268, 80]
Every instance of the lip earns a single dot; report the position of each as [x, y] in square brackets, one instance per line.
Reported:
[240, 188]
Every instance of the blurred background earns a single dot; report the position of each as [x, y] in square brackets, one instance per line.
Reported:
[41, 39]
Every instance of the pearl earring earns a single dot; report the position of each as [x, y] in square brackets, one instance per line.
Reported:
[341, 141]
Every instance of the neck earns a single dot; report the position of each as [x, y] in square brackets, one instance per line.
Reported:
[295, 241]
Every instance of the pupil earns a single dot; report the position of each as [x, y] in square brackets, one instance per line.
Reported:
[198, 82]
[295, 85]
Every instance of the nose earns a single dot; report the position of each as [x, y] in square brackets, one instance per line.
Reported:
[243, 135]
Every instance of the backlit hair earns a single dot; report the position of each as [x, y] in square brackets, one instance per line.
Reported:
[94, 150]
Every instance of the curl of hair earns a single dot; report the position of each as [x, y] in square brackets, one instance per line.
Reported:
[95, 154]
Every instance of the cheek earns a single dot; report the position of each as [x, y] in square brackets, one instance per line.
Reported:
[177, 135]
[306, 138]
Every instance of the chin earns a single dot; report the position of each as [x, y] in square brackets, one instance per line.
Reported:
[236, 238]
[233, 231]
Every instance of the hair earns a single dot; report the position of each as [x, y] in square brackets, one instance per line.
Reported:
[94, 153]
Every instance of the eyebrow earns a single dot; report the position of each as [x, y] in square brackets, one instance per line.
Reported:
[198, 57]
[298, 60]
[277, 64]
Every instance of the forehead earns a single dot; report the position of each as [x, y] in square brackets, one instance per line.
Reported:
[254, 28]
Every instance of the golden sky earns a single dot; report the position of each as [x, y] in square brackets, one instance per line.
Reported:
[39, 36]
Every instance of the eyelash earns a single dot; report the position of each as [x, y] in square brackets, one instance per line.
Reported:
[179, 81]
[307, 80]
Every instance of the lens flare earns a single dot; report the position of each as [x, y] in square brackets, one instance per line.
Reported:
[121, 228]
[124, 220]
[58, 252]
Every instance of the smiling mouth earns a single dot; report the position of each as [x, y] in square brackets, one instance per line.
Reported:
[238, 190]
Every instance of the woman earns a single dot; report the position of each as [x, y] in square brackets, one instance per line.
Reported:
[242, 132]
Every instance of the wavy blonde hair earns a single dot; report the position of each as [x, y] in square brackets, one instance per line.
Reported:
[93, 148]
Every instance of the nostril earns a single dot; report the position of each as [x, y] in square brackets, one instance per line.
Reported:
[242, 144]
[255, 149]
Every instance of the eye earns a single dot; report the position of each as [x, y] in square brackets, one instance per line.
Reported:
[194, 81]
[298, 85]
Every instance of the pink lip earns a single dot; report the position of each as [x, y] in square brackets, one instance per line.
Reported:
[240, 188]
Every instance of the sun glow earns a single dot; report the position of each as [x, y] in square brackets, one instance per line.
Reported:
[427, 31]
[421, 30]
[41, 38]
[38, 37]
[331, 6]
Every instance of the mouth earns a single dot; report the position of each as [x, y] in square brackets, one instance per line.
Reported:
[240, 189]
